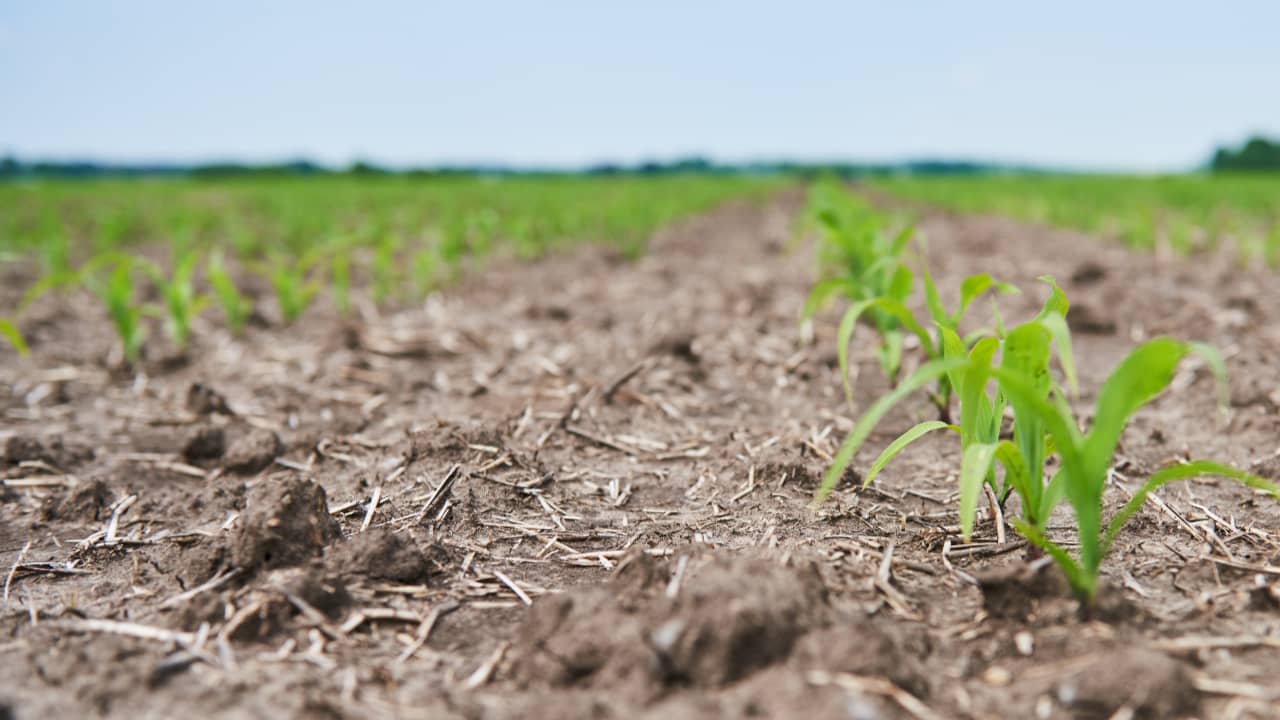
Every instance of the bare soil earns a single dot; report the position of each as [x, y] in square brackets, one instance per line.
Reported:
[581, 488]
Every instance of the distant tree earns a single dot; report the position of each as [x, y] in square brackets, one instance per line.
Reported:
[1258, 154]
[362, 167]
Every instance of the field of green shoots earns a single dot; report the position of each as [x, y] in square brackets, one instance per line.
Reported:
[1181, 212]
[737, 475]
[394, 238]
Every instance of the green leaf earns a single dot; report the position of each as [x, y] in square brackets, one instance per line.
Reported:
[1057, 419]
[862, 428]
[1053, 494]
[953, 348]
[822, 293]
[903, 314]
[901, 240]
[1057, 326]
[1015, 468]
[844, 336]
[1195, 468]
[974, 465]
[934, 302]
[976, 414]
[996, 318]
[973, 287]
[1080, 582]
[1026, 352]
[10, 332]
[891, 354]
[1139, 378]
[900, 285]
[1213, 359]
[1056, 302]
[44, 285]
[901, 442]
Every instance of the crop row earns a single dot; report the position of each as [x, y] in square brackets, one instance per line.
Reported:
[1184, 213]
[1019, 436]
[192, 243]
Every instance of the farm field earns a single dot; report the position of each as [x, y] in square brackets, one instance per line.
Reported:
[1170, 214]
[549, 448]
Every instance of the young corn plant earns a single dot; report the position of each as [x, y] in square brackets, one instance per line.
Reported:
[340, 280]
[425, 271]
[58, 274]
[291, 282]
[971, 289]
[293, 286]
[453, 247]
[117, 295]
[1086, 457]
[869, 273]
[385, 272]
[967, 370]
[55, 250]
[182, 304]
[236, 308]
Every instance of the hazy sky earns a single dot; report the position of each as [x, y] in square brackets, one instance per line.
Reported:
[1114, 85]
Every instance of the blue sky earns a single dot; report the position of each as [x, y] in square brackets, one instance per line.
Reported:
[1134, 85]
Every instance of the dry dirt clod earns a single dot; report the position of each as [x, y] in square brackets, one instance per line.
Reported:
[85, 502]
[729, 632]
[1017, 592]
[290, 592]
[1150, 683]
[285, 522]
[380, 553]
[730, 617]
[322, 591]
[253, 452]
[1084, 319]
[204, 400]
[859, 646]
[20, 449]
[204, 443]
[451, 442]
[679, 345]
[1088, 272]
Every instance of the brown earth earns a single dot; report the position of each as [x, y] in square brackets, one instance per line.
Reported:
[632, 449]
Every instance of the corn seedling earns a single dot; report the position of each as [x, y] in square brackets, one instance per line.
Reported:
[58, 274]
[452, 248]
[1086, 457]
[181, 301]
[236, 308]
[972, 288]
[117, 295]
[425, 269]
[55, 251]
[1026, 349]
[384, 271]
[293, 287]
[340, 280]
[869, 273]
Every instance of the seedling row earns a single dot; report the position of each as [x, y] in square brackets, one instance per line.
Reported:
[1180, 213]
[1005, 391]
[171, 250]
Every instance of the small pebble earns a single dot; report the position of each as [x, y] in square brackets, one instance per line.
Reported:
[1025, 643]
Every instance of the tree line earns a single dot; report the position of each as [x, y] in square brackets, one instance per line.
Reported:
[1256, 154]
